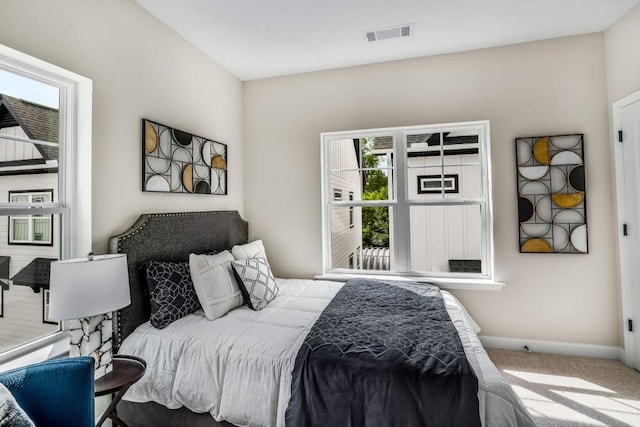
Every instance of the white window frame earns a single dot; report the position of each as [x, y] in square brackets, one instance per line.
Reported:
[74, 183]
[400, 204]
[31, 218]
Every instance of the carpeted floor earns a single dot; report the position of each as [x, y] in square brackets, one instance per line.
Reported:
[562, 391]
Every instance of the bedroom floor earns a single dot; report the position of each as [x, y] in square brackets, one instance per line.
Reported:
[562, 391]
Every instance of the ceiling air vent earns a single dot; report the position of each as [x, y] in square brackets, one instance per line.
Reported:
[389, 33]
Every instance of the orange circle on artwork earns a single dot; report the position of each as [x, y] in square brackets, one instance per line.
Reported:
[567, 200]
[536, 245]
[541, 150]
[187, 178]
[150, 138]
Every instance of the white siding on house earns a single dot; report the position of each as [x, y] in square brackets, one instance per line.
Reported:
[345, 238]
[469, 179]
[22, 307]
[16, 150]
[441, 233]
[22, 317]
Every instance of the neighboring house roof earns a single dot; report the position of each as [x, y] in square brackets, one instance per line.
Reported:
[453, 144]
[37, 121]
[383, 143]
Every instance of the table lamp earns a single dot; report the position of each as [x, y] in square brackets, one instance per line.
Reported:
[86, 291]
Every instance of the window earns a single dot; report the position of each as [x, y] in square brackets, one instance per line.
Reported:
[419, 197]
[436, 184]
[46, 298]
[351, 211]
[30, 229]
[45, 190]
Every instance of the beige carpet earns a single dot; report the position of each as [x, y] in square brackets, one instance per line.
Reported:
[563, 391]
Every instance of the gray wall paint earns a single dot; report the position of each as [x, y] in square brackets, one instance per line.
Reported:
[550, 87]
[623, 60]
[140, 68]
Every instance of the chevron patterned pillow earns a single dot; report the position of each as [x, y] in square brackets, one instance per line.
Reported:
[256, 282]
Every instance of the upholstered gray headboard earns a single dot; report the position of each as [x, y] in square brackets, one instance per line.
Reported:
[169, 237]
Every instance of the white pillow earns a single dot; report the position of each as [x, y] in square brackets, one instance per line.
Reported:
[215, 284]
[249, 250]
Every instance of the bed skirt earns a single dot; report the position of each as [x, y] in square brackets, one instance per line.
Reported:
[153, 414]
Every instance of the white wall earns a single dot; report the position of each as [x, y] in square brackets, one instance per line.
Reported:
[544, 88]
[139, 68]
[623, 61]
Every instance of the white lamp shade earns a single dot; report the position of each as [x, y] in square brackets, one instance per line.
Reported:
[83, 288]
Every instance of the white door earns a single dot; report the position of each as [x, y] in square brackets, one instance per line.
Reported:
[627, 121]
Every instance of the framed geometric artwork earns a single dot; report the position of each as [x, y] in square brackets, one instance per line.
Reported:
[175, 161]
[552, 205]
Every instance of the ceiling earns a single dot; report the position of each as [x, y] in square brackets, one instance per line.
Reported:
[264, 38]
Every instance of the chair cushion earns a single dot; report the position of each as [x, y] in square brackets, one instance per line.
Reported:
[56, 391]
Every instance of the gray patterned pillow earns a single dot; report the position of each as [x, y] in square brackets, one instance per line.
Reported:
[256, 282]
[172, 293]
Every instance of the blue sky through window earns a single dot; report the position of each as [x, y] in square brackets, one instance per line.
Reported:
[30, 90]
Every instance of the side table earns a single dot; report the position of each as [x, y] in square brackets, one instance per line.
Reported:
[127, 370]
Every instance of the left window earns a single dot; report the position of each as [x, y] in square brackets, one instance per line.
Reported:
[45, 148]
[30, 229]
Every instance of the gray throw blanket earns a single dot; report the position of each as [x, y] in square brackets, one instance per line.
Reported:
[380, 355]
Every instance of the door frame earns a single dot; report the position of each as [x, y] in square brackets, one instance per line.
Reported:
[624, 269]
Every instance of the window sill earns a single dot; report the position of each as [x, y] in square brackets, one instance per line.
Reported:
[49, 347]
[441, 282]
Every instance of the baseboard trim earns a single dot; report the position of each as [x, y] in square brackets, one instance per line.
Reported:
[624, 357]
[555, 347]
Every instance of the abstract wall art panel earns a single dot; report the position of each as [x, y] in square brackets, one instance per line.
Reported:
[552, 206]
[175, 161]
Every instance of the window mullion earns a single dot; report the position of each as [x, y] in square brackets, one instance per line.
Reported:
[486, 207]
[326, 204]
[441, 136]
[30, 229]
[35, 210]
[401, 235]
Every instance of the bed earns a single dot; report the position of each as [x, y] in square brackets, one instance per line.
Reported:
[237, 370]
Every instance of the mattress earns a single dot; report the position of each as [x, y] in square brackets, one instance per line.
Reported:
[238, 368]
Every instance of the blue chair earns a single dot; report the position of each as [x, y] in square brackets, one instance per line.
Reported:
[58, 392]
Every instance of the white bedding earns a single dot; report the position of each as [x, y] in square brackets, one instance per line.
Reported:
[238, 367]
